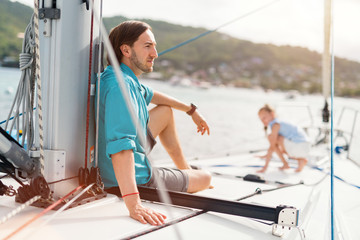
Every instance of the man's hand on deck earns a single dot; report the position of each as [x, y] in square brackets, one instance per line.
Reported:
[143, 214]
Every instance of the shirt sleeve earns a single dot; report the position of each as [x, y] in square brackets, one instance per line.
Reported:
[119, 128]
[149, 93]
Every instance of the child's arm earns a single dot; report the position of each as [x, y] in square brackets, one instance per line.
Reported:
[272, 141]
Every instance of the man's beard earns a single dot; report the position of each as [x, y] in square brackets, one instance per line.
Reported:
[138, 64]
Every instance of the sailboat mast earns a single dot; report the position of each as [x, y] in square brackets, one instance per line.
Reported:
[326, 58]
[64, 49]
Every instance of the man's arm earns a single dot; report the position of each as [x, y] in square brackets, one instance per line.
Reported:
[163, 99]
[124, 168]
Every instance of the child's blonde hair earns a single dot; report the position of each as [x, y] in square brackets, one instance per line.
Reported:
[268, 109]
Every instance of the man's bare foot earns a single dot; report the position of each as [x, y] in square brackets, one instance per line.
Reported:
[285, 166]
[302, 163]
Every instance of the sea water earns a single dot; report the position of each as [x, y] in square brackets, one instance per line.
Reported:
[231, 114]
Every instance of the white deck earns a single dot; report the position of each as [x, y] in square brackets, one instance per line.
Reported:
[108, 218]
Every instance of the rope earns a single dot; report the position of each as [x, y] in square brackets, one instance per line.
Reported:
[98, 90]
[19, 209]
[217, 28]
[62, 208]
[11, 118]
[38, 82]
[42, 213]
[89, 87]
[301, 233]
[23, 98]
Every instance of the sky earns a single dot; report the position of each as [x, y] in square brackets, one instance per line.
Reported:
[285, 22]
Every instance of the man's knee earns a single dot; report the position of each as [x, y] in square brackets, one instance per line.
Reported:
[201, 180]
[206, 176]
[165, 111]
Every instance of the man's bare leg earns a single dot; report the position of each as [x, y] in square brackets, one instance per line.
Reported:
[162, 124]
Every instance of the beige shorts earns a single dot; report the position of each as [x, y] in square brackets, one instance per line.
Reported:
[174, 179]
[297, 150]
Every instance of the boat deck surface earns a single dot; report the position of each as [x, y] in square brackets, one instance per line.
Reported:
[107, 218]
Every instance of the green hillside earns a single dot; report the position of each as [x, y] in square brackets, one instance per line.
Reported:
[217, 58]
[14, 17]
[222, 59]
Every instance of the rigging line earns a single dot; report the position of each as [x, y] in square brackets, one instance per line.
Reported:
[43, 212]
[24, 93]
[197, 213]
[164, 196]
[61, 180]
[332, 119]
[89, 87]
[19, 209]
[61, 209]
[257, 191]
[337, 177]
[98, 89]
[248, 178]
[283, 186]
[38, 82]
[217, 28]
[316, 183]
[167, 224]
[11, 118]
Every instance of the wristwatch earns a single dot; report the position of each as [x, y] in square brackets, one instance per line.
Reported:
[192, 110]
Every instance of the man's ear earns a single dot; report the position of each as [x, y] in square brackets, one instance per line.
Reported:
[125, 49]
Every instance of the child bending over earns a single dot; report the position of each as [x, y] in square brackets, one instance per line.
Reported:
[285, 138]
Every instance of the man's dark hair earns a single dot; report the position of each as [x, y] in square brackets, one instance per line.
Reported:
[126, 33]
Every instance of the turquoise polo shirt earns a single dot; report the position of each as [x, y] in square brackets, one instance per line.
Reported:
[117, 131]
[290, 131]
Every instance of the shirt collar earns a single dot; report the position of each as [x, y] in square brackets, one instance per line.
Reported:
[125, 69]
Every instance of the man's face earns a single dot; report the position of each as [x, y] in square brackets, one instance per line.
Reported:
[143, 53]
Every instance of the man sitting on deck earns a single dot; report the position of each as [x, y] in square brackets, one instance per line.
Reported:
[123, 158]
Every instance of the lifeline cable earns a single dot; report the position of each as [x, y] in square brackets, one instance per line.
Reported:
[42, 213]
[217, 28]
